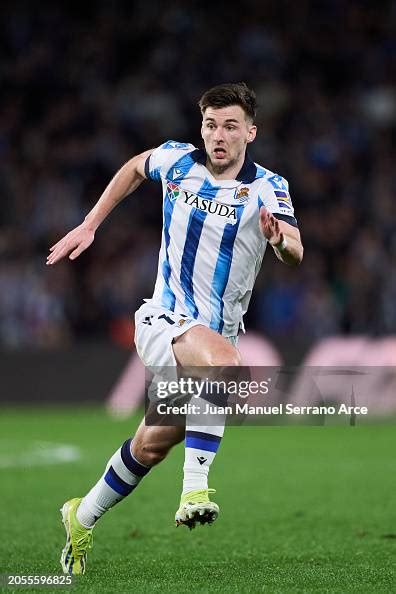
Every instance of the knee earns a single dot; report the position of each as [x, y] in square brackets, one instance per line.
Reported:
[224, 358]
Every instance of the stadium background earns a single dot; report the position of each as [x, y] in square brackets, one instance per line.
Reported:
[83, 88]
[83, 91]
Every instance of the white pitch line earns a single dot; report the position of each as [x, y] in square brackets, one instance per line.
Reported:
[36, 453]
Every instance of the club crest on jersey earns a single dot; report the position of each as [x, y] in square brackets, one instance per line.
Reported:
[173, 191]
[242, 194]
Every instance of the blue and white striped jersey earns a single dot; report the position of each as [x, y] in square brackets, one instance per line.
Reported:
[212, 245]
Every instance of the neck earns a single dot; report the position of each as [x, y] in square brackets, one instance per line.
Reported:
[229, 171]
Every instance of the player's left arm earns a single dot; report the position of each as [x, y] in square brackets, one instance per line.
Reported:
[284, 238]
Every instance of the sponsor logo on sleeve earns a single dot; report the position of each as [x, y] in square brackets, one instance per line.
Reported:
[284, 200]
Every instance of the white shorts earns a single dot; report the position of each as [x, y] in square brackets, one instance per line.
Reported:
[155, 330]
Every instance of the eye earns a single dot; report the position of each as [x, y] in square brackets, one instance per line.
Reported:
[210, 126]
[230, 127]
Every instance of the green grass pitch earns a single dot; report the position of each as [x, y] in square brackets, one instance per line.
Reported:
[302, 509]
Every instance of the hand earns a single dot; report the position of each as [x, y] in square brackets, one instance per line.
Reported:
[270, 227]
[74, 243]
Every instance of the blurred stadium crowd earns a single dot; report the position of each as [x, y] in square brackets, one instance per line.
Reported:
[83, 91]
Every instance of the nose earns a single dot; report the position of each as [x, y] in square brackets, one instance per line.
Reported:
[218, 134]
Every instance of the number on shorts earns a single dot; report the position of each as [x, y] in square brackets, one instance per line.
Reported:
[166, 318]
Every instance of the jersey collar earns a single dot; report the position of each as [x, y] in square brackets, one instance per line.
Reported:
[246, 175]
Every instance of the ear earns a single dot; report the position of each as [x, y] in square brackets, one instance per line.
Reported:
[252, 133]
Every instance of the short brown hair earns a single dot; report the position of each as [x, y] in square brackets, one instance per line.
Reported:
[230, 94]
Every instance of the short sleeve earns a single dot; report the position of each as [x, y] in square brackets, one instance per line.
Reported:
[275, 196]
[163, 157]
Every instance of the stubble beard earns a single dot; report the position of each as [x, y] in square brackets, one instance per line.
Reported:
[220, 169]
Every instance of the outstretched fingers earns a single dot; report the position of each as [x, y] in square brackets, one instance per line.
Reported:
[61, 249]
[270, 226]
[53, 247]
[72, 244]
[75, 253]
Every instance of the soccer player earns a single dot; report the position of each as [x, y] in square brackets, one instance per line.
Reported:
[220, 209]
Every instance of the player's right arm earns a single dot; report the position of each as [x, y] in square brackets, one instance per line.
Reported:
[125, 181]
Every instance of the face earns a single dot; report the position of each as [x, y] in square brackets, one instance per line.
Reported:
[226, 132]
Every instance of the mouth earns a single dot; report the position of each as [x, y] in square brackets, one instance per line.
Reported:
[219, 152]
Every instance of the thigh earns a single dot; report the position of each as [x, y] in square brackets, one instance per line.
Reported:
[202, 347]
